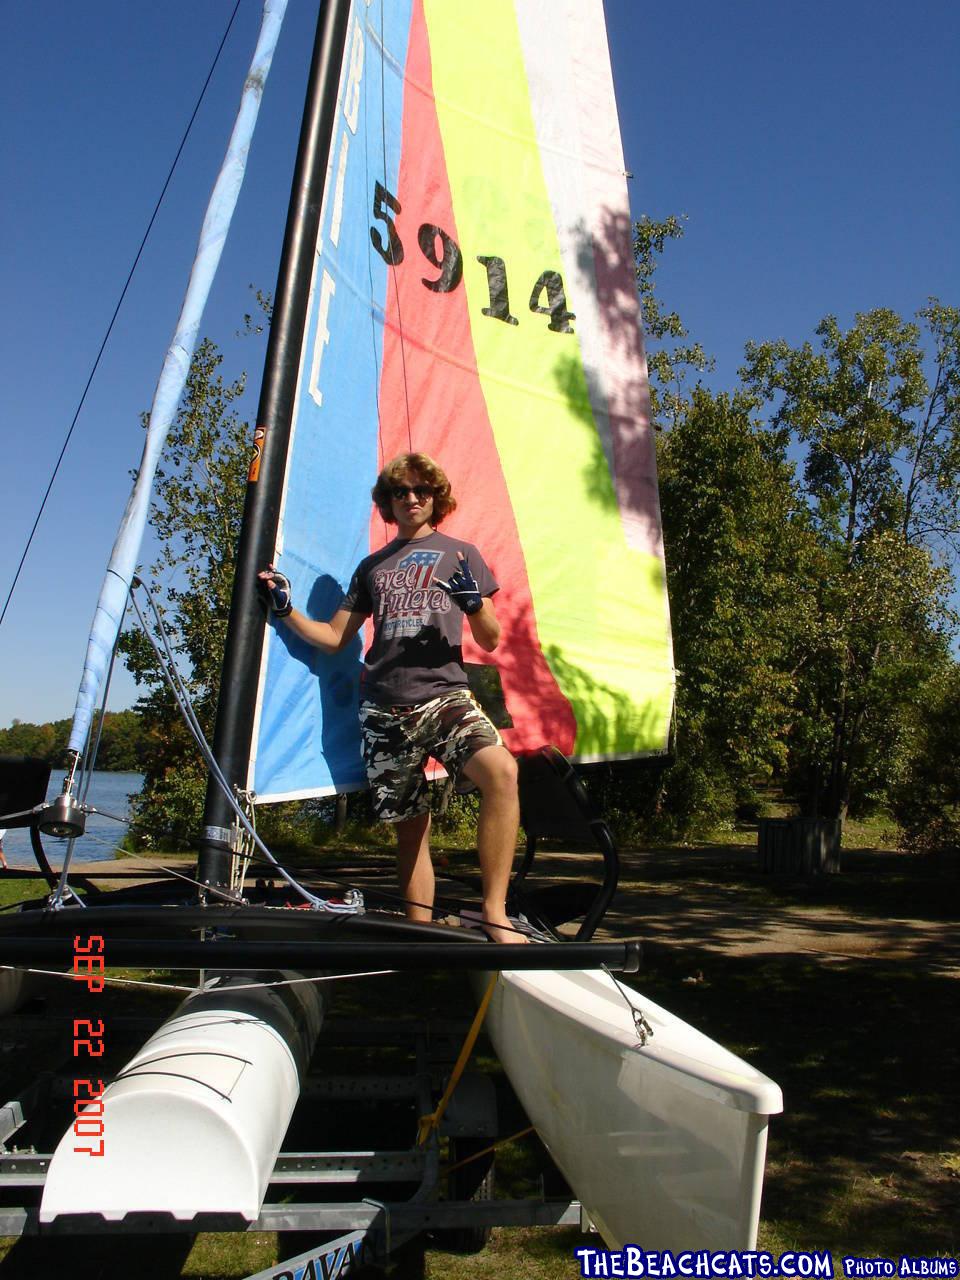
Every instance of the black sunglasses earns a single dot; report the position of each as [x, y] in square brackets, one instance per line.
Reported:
[420, 491]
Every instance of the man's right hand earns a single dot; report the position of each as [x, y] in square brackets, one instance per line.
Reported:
[276, 590]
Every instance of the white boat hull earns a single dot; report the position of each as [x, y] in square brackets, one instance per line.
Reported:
[194, 1122]
[663, 1143]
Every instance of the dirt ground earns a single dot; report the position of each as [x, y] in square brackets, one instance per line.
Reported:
[714, 898]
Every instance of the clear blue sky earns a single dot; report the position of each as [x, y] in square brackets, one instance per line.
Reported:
[813, 148]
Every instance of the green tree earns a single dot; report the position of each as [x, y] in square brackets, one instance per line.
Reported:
[875, 411]
[738, 548]
[198, 501]
[926, 791]
[41, 741]
[737, 542]
[671, 358]
[25, 739]
[121, 743]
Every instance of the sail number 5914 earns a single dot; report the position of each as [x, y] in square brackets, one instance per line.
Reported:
[442, 252]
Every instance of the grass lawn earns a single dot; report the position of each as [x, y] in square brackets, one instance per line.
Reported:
[865, 1045]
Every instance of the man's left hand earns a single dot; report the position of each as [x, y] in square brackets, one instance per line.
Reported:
[462, 587]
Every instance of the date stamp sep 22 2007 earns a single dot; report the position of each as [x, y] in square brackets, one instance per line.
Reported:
[88, 1042]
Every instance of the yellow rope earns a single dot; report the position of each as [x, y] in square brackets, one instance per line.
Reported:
[494, 1146]
[430, 1122]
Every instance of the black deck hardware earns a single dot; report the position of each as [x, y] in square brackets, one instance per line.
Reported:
[23, 787]
[329, 953]
[554, 804]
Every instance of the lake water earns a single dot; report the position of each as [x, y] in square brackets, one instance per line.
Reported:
[110, 792]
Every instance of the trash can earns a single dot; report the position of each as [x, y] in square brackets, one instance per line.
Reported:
[799, 846]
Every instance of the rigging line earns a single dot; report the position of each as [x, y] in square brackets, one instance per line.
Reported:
[231, 990]
[111, 846]
[485, 1151]
[172, 874]
[113, 318]
[91, 753]
[181, 697]
[7, 818]
[373, 322]
[642, 1027]
[393, 265]
[441, 903]
[108, 981]
[86, 777]
[102, 813]
[134, 826]
[168, 871]
[314, 979]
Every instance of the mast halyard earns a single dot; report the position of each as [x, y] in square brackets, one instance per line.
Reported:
[245, 630]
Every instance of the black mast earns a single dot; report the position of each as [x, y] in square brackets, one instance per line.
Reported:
[244, 643]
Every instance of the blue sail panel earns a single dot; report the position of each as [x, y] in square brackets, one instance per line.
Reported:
[307, 739]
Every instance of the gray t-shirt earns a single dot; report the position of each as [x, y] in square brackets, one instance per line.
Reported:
[417, 629]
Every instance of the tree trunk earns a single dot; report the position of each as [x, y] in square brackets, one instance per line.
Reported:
[446, 795]
[340, 814]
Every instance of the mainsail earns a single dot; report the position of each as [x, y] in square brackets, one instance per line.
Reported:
[473, 298]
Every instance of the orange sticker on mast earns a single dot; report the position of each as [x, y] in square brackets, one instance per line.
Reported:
[253, 475]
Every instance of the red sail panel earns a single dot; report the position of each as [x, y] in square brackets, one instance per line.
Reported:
[431, 402]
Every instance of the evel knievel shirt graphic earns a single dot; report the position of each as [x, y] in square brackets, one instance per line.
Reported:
[417, 629]
[406, 595]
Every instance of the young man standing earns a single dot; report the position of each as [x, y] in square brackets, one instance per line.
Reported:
[414, 699]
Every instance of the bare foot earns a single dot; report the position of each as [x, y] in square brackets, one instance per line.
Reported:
[502, 931]
[499, 928]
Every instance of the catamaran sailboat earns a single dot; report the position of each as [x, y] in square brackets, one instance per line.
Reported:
[457, 279]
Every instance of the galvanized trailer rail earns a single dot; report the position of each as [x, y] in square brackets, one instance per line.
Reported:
[408, 1182]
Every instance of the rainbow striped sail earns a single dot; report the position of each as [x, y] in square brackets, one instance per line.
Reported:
[474, 299]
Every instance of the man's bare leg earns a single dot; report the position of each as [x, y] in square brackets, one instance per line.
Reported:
[414, 867]
[494, 770]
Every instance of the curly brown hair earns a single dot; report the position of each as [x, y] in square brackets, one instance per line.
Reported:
[418, 466]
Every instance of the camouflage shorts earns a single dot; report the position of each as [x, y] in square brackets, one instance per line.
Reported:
[398, 740]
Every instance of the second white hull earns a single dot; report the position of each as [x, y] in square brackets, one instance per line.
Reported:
[663, 1143]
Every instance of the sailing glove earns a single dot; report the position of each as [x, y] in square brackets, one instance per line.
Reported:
[277, 593]
[463, 589]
